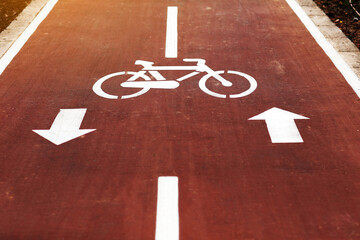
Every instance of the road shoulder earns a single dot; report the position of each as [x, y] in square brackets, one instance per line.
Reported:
[346, 49]
[18, 26]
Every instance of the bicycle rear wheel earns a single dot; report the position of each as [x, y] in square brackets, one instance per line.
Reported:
[97, 87]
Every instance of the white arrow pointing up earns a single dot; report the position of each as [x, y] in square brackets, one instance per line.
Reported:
[66, 126]
[281, 125]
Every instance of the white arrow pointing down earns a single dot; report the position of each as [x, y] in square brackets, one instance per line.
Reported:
[281, 125]
[66, 126]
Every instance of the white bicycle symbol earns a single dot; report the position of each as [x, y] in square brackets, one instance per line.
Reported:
[162, 83]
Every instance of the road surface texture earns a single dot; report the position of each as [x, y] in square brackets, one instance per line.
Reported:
[235, 181]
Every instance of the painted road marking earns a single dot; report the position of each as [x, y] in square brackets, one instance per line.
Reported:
[66, 126]
[162, 83]
[281, 125]
[340, 64]
[167, 216]
[20, 42]
[171, 50]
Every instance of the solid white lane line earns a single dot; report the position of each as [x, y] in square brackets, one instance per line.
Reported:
[171, 50]
[340, 64]
[167, 216]
[20, 42]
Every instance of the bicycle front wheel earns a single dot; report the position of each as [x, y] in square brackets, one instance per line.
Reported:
[243, 77]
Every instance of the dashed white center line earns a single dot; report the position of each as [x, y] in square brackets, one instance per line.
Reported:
[167, 216]
[171, 50]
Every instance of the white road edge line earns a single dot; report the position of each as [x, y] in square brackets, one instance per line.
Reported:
[167, 216]
[340, 64]
[20, 42]
[171, 50]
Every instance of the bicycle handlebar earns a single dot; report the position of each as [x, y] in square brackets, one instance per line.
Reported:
[198, 60]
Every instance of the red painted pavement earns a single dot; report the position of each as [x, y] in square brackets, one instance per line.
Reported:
[233, 182]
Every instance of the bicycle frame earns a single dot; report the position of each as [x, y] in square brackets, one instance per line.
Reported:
[200, 67]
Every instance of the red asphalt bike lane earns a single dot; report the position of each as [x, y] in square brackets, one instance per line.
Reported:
[234, 182]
